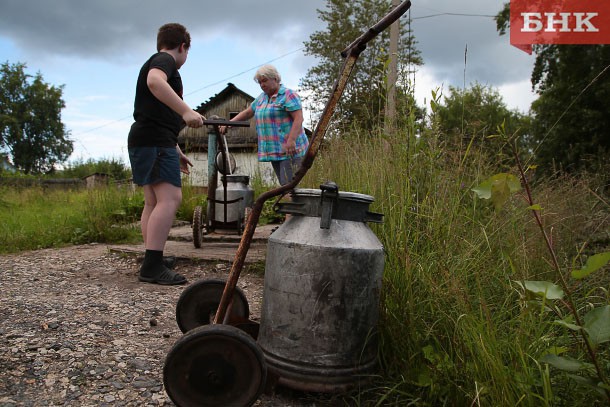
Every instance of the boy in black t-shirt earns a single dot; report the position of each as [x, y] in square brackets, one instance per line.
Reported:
[156, 159]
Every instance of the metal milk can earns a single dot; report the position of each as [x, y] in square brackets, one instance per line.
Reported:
[323, 277]
[237, 187]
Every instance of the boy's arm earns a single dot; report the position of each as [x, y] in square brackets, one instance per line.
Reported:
[245, 114]
[157, 83]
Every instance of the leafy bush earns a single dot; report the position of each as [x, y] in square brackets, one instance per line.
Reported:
[114, 167]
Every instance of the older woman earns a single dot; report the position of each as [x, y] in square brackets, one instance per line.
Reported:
[278, 115]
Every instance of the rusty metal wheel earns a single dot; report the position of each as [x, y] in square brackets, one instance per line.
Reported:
[198, 303]
[198, 226]
[215, 365]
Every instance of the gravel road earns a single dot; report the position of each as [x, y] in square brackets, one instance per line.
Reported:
[78, 329]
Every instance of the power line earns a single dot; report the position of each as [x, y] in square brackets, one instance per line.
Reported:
[101, 126]
[198, 90]
[246, 71]
[453, 14]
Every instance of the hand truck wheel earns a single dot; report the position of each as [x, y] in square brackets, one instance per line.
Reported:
[198, 303]
[198, 226]
[215, 365]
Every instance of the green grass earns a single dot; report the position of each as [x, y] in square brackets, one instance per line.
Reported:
[191, 197]
[34, 218]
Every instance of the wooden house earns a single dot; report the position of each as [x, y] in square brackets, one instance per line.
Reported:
[241, 141]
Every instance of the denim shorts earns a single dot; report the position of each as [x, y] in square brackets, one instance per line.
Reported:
[151, 165]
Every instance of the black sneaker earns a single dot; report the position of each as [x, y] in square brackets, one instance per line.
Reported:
[163, 276]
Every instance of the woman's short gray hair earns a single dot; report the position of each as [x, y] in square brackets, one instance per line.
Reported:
[267, 71]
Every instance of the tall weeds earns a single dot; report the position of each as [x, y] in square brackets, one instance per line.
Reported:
[453, 330]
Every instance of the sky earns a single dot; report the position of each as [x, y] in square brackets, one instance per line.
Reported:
[94, 49]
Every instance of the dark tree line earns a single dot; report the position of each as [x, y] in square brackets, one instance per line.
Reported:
[571, 116]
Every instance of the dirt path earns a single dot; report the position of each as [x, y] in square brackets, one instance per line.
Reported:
[77, 329]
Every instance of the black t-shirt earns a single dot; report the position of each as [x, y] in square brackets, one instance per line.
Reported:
[156, 125]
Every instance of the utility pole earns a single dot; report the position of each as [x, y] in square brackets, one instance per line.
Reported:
[390, 108]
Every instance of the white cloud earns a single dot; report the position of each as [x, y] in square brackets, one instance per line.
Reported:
[425, 84]
[518, 95]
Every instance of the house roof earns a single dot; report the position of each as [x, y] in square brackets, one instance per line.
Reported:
[227, 100]
[218, 98]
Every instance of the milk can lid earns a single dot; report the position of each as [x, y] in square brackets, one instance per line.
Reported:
[330, 203]
[348, 196]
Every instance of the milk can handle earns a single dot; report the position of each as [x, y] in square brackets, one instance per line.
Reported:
[330, 193]
[373, 217]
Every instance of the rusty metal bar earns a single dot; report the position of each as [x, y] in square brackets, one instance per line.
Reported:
[351, 54]
[216, 122]
[360, 43]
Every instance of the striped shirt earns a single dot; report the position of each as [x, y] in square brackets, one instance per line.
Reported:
[273, 123]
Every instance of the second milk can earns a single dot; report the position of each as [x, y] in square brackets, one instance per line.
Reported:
[323, 275]
[239, 195]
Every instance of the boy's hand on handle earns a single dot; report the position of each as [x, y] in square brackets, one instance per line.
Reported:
[193, 119]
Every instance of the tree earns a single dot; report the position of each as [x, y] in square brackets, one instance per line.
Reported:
[572, 126]
[363, 100]
[470, 116]
[571, 117]
[31, 130]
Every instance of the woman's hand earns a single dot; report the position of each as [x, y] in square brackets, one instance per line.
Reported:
[290, 146]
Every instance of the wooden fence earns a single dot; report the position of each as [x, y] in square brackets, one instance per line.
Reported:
[63, 183]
